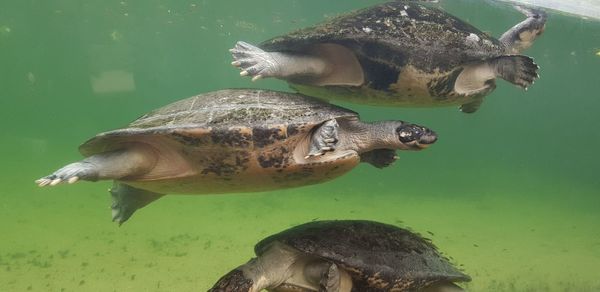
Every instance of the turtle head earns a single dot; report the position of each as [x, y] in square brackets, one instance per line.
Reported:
[414, 137]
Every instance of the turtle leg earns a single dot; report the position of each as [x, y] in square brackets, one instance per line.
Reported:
[322, 64]
[109, 165]
[257, 63]
[471, 107]
[379, 158]
[443, 287]
[521, 36]
[330, 280]
[324, 139]
[127, 199]
[328, 277]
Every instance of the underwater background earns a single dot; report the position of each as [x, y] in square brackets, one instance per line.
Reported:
[511, 193]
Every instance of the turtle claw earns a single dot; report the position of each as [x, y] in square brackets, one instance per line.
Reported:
[311, 155]
[324, 139]
[319, 152]
[42, 182]
[69, 174]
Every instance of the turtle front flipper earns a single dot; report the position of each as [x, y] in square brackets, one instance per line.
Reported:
[127, 200]
[327, 276]
[379, 158]
[521, 36]
[471, 107]
[324, 139]
[330, 280]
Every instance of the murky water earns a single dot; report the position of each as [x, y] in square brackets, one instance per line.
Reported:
[511, 192]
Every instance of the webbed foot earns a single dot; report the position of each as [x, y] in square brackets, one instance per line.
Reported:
[379, 158]
[324, 139]
[516, 69]
[472, 106]
[254, 61]
[71, 173]
[127, 200]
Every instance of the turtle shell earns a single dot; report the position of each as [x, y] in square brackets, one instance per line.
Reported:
[235, 140]
[390, 36]
[377, 255]
[239, 118]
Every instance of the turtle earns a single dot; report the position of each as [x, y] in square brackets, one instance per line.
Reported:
[400, 53]
[235, 140]
[344, 256]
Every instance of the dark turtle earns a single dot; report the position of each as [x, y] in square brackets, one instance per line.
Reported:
[235, 141]
[400, 53]
[344, 256]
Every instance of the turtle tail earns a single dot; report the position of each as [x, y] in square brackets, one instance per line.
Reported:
[517, 69]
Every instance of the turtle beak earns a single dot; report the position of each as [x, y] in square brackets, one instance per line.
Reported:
[429, 137]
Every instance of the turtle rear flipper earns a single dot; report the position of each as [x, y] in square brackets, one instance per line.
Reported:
[517, 69]
[323, 64]
[127, 199]
[521, 36]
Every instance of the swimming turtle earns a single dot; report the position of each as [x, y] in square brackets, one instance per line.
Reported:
[400, 53]
[236, 140]
[344, 256]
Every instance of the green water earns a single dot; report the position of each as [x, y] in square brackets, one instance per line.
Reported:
[511, 192]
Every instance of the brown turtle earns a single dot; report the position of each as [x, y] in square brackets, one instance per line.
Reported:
[400, 53]
[344, 256]
[240, 140]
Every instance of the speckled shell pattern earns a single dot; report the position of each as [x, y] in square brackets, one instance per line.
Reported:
[394, 34]
[379, 257]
